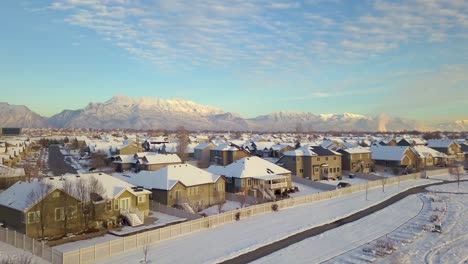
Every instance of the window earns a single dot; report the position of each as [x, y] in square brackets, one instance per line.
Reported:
[116, 206]
[318, 159]
[141, 199]
[56, 195]
[109, 205]
[59, 215]
[301, 170]
[219, 187]
[316, 169]
[33, 217]
[326, 158]
[337, 169]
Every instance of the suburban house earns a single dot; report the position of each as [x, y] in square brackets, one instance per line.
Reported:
[391, 142]
[56, 206]
[429, 157]
[357, 159]
[312, 162]
[411, 142]
[9, 176]
[124, 162]
[227, 153]
[260, 148]
[109, 197]
[258, 177]
[202, 151]
[464, 149]
[277, 150]
[156, 161]
[37, 210]
[394, 156]
[131, 147]
[183, 185]
[448, 147]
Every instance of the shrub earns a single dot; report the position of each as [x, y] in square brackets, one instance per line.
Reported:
[237, 215]
[274, 207]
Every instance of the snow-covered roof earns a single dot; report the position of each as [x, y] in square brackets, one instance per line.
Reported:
[424, 151]
[10, 172]
[202, 145]
[167, 177]
[225, 147]
[19, 197]
[394, 153]
[161, 159]
[125, 159]
[439, 143]
[113, 186]
[308, 150]
[357, 150]
[249, 167]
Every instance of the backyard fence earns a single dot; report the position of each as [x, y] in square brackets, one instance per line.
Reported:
[137, 242]
[37, 248]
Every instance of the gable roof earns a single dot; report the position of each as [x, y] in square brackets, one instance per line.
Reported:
[424, 151]
[167, 177]
[18, 195]
[391, 153]
[440, 143]
[161, 159]
[356, 150]
[113, 186]
[249, 167]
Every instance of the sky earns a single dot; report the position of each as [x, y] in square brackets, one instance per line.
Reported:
[404, 58]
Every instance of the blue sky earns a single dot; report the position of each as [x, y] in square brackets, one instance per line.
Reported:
[404, 58]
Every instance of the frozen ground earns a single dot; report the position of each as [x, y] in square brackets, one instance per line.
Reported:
[347, 237]
[249, 234]
[10, 252]
[451, 246]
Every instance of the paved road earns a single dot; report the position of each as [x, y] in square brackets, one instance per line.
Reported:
[271, 248]
[57, 163]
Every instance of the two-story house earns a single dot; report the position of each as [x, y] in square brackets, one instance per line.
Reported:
[312, 162]
[227, 153]
[394, 156]
[357, 159]
[449, 147]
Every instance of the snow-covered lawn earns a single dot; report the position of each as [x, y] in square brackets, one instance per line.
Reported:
[233, 239]
[159, 219]
[347, 237]
[304, 190]
[353, 181]
[10, 252]
[451, 246]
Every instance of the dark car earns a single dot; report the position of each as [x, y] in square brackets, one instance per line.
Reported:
[342, 185]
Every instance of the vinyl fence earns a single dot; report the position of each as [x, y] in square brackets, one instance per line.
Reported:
[33, 246]
[138, 241]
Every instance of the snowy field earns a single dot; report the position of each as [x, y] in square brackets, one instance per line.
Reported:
[347, 237]
[249, 234]
[451, 246]
[13, 253]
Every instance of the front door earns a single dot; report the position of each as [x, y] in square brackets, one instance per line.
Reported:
[124, 203]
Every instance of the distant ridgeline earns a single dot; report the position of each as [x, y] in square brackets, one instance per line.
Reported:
[10, 131]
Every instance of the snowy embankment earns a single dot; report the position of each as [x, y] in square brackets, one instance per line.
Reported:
[8, 252]
[347, 237]
[450, 246]
[230, 240]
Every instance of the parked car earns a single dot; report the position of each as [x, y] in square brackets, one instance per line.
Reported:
[437, 228]
[342, 185]
[351, 175]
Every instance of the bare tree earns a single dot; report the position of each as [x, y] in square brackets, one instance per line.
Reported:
[37, 196]
[183, 142]
[145, 249]
[98, 160]
[383, 181]
[68, 209]
[81, 192]
[96, 193]
[242, 197]
[455, 170]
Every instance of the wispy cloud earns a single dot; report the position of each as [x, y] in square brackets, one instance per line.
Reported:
[263, 34]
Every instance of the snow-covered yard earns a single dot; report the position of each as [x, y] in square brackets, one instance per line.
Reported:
[304, 190]
[352, 181]
[161, 220]
[228, 206]
[249, 234]
[10, 252]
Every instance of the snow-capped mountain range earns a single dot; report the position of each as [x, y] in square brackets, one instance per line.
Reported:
[153, 113]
